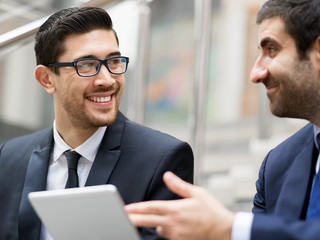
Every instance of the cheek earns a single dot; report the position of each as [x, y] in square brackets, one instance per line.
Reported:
[282, 71]
[121, 81]
[71, 91]
[280, 65]
[121, 84]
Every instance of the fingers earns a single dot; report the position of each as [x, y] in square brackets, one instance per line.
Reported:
[156, 214]
[178, 186]
[146, 220]
[161, 231]
[160, 223]
[152, 213]
[151, 207]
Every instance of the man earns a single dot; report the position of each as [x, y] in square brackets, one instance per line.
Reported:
[287, 202]
[80, 65]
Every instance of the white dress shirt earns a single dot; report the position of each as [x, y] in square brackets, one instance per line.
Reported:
[241, 228]
[58, 167]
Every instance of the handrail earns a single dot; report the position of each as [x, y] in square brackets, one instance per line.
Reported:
[28, 30]
[20, 33]
[197, 112]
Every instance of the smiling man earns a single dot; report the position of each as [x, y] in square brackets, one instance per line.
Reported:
[79, 64]
[288, 75]
[287, 202]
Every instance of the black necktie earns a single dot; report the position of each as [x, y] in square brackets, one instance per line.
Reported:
[72, 159]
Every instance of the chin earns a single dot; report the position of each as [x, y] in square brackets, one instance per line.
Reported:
[276, 110]
[282, 112]
[107, 120]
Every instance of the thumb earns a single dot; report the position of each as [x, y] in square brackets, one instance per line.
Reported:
[178, 186]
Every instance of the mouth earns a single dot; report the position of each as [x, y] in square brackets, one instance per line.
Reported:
[270, 84]
[271, 90]
[100, 99]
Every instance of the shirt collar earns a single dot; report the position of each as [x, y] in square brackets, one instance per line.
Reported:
[88, 149]
[316, 131]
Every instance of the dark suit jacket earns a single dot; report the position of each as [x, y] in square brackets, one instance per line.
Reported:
[283, 190]
[131, 157]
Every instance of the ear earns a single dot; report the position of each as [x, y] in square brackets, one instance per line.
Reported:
[317, 44]
[316, 47]
[45, 77]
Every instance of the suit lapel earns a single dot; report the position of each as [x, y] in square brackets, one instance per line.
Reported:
[296, 187]
[108, 153]
[36, 176]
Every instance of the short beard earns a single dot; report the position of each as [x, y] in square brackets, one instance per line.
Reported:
[299, 95]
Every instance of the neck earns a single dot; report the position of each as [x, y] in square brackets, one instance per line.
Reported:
[73, 136]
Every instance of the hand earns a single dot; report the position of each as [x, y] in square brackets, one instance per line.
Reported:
[198, 216]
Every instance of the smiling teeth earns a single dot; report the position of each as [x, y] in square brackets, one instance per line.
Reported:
[100, 99]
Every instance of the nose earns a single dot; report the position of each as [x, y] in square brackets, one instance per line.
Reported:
[104, 77]
[259, 71]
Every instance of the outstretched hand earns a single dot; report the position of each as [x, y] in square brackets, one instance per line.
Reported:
[197, 216]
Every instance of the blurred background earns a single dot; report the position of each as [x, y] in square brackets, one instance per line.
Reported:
[188, 76]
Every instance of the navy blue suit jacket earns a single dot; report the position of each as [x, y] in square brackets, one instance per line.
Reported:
[283, 190]
[131, 156]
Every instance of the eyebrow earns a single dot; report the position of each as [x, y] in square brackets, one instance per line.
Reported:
[117, 53]
[266, 41]
[114, 54]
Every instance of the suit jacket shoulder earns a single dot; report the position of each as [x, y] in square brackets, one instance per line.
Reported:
[144, 155]
[14, 159]
[27, 143]
[15, 153]
[283, 190]
[285, 172]
[148, 137]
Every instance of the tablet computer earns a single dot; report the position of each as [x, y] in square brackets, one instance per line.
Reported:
[84, 213]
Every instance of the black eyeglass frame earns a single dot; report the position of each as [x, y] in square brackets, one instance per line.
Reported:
[101, 61]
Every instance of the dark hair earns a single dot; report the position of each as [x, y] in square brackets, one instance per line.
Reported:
[49, 40]
[301, 19]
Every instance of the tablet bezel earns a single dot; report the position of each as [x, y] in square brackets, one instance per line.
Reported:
[94, 212]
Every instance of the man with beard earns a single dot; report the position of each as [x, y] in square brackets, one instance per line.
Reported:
[79, 64]
[287, 202]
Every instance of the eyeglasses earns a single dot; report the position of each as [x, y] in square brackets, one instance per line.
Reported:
[88, 67]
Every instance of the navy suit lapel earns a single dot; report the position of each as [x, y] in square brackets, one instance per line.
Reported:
[29, 223]
[296, 187]
[108, 153]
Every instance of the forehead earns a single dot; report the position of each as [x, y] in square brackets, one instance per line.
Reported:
[96, 43]
[274, 29]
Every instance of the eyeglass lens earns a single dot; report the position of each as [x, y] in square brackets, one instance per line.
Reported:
[92, 66]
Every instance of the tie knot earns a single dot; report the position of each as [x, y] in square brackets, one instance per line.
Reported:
[72, 159]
